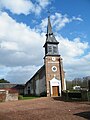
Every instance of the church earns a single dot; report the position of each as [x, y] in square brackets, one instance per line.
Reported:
[49, 80]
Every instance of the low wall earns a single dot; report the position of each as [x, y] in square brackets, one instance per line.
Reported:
[11, 96]
[76, 95]
[2, 95]
[5, 95]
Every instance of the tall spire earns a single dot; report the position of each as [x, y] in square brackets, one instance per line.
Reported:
[49, 27]
[49, 36]
[51, 44]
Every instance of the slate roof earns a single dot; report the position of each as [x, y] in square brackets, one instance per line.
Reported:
[9, 85]
[42, 68]
[50, 36]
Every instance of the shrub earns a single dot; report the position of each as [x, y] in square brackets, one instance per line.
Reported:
[20, 97]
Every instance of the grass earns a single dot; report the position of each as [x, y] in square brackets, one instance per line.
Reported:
[27, 97]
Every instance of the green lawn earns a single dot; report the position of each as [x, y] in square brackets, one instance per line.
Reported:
[27, 97]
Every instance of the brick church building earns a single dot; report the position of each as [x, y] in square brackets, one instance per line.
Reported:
[49, 80]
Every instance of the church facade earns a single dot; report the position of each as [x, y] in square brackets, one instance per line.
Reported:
[49, 80]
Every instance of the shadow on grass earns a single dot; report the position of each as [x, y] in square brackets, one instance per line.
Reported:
[85, 115]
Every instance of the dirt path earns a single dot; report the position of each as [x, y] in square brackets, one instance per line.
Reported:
[44, 109]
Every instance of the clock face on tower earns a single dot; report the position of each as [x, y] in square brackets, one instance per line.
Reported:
[54, 68]
[53, 58]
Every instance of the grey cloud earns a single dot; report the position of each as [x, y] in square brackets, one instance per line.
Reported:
[21, 74]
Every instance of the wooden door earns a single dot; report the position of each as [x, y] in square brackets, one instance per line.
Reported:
[55, 90]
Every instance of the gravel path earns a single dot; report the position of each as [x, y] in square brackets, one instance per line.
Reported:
[44, 109]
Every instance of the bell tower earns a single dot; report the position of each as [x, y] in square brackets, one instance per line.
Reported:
[53, 64]
[51, 44]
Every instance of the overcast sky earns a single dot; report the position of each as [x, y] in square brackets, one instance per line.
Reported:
[23, 26]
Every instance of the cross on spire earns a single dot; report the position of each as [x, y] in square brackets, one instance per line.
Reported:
[48, 13]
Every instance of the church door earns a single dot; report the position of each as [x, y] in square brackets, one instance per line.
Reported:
[55, 90]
